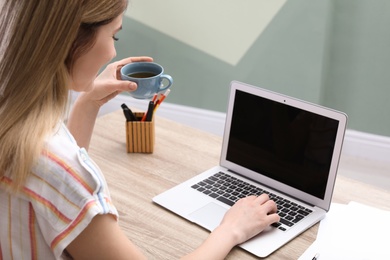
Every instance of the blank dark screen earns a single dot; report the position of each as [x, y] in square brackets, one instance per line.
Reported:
[290, 145]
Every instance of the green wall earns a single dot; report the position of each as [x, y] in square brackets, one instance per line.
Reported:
[334, 53]
[357, 74]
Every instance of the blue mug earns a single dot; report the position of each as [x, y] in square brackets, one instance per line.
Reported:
[149, 77]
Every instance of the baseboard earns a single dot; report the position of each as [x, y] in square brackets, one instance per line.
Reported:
[367, 146]
[206, 120]
[357, 144]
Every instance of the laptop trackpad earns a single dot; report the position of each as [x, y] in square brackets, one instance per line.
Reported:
[209, 216]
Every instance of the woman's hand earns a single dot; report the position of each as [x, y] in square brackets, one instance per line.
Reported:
[106, 86]
[108, 83]
[249, 216]
[245, 219]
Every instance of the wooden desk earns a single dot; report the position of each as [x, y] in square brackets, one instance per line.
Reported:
[180, 153]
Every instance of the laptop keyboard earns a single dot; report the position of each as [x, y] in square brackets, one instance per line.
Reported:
[228, 189]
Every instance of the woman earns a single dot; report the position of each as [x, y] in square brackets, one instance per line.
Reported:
[54, 202]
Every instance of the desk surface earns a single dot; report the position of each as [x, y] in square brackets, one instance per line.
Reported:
[180, 153]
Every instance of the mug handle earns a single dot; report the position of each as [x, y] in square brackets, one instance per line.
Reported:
[167, 77]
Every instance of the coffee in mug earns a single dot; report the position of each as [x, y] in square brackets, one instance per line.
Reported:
[149, 77]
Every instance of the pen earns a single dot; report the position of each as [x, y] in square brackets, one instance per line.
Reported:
[154, 97]
[161, 99]
[316, 256]
[128, 113]
[149, 114]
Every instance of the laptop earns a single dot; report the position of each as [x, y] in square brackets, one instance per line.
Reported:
[274, 144]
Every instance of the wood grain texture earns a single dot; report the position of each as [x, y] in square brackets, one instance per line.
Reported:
[181, 152]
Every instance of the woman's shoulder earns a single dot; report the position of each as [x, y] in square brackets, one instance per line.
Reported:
[65, 168]
[66, 184]
[66, 190]
[64, 164]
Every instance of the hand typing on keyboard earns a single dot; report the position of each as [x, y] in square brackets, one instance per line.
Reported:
[249, 216]
[245, 219]
[229, 190]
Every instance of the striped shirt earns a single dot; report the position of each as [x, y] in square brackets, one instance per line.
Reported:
[64, 192]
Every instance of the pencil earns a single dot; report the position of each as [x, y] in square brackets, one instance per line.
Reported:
[161, 99]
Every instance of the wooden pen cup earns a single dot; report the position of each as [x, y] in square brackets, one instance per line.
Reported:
[140, 135]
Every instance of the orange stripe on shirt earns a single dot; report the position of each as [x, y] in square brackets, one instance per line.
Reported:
[10, 227]
[47, 204]
[69, 170]
[74, 224]
[62, 195]
[33, 240]
[6, 181]
[40, 199]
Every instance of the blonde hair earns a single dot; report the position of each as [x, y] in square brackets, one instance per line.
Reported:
[40, 41]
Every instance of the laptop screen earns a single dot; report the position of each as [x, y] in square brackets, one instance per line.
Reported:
[285, 143]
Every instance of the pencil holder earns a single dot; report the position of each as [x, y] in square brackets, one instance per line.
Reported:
[140, 135]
